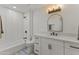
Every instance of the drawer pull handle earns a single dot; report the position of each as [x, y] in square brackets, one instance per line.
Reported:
[36, 43]
[36, 37]
[49, 46]
[25, 38]
[74, 47]
[37, 50]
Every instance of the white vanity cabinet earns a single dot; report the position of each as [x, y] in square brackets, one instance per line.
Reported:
[47, 46]
[71, 49]
[51, 47]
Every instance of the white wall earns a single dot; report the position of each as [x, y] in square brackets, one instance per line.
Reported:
[70, 16]
[39, 21]
[12, 26]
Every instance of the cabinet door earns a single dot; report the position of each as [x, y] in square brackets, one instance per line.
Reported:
[37, 45]
[44, 49]
[71, 49]
[57, 47]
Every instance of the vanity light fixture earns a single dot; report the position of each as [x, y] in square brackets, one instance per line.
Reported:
[54, 8]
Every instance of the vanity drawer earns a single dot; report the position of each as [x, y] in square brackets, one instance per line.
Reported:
[53, 40]
[36, 46]
[57, 42]
[37, 39]
[72, 45]
[37, 42]
[71, 49]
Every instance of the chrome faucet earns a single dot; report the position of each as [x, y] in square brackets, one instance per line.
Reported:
[53, 33]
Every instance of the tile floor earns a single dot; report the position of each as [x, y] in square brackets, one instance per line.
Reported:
[23, 51]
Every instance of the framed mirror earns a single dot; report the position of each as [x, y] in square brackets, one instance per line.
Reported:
[55, 23]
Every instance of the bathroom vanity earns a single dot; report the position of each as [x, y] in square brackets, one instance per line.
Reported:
[55, 45]
[66, 21]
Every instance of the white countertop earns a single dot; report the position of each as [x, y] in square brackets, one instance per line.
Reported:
[72, 39]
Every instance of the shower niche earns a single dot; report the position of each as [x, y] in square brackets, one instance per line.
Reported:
[55, 23]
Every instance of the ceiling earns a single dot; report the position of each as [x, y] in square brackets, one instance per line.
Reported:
[22, 7]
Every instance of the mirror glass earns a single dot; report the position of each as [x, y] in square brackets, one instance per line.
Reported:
[55, 23]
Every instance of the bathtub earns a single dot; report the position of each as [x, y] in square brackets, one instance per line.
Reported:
[11, 48]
